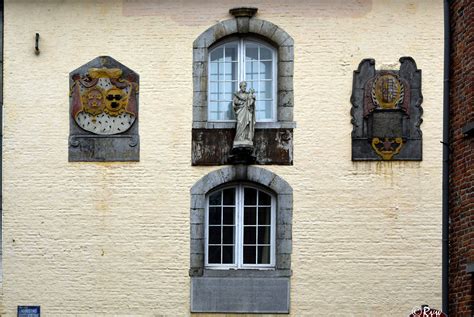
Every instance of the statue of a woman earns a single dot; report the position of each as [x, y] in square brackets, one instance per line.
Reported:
[244, 108]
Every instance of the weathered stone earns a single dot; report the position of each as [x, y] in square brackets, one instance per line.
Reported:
[284, 215]
[230, 26]
[199, 69]
[200, 83]
[285, 83]
[197, 246]
[197, 201]
[197, 230]
[197, 214]
[284, 246]
[280, 186]
[279, 36]
[267, 29]
[260, 175]
[286, 54]
[197, 260]
[284, 261]
[243, 12]
[240, 295]
[243, 25]
[199, 99]
[284, 231]
[206, 38]
[285, 68]
[255, 25]
[285, 99]
[200, 54]
[285, 113]
[199, 114]
[285, 201]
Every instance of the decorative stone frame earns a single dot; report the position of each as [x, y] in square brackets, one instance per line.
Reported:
[244, 24]
[213, 282]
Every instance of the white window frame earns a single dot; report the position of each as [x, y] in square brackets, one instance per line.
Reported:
[239, 229]
[241, 70]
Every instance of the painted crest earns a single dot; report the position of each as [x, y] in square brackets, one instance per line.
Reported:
[103, 102]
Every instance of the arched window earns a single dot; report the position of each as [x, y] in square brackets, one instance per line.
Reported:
[236, 60]
[240, 228]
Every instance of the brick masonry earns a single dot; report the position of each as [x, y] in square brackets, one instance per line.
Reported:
[461, 202]
[113, 238]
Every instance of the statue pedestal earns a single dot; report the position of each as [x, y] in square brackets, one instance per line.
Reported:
[242, 155]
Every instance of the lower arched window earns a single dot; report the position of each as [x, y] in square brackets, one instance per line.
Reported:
[240, 228]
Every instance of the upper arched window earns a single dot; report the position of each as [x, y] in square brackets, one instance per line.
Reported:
[237, 60]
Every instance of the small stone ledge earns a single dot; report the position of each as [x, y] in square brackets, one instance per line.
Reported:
[231, 125]
[243, 11]
[246, 273]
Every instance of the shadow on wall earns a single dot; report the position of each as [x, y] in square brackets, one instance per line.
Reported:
[181, 10]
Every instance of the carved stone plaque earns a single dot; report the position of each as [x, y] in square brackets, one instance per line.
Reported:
[386, 112]
[103, 112]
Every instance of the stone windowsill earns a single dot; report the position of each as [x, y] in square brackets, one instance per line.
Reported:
[231, 125]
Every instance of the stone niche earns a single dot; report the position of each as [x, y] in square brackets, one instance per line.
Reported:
[103, 107]
[386, 112]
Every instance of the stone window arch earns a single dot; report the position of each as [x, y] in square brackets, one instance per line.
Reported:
[246, 284]
[276, 134]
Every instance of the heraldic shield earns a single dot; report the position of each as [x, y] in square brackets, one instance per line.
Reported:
[104, 112]
[386, 112]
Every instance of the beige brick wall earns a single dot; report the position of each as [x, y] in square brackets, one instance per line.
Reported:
[113, 238]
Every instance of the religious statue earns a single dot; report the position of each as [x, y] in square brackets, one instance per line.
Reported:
[244, 108]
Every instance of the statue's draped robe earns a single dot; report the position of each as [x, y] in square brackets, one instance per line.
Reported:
[244, 108]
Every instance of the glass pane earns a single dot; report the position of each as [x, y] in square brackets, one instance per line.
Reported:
[264, 109]
[252, 85]
[214, 235]
[214, 69]
[229, 196]
[264, 215]
[226, 112]
[266, 70]
[214, 215]
[230, 71]
[250, 235]
[265, 53]
[250, 195]
[215, 199]
[217, 55]
[251, 52]
[228, 235]
[264, 235]
[229, 89]
[250, 216]
[230, 53]
[264, 199]
[214, 254]
[228, 218]
[265, 90]
[228, 254]
[249, 255]
[263, 255]
[251, 71]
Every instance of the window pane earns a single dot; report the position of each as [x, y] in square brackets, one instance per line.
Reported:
[266, 70]
[250, 195]
[214, 254]
[249, 255]
[263, 255]
[229, 196]
[214, 215]
[251, 71]
[264, 235]
[214, 234]
[250, 235]
[265, 90]
[228, 217]
[214, 70]
[215, 199]
[230, 53]
[230, 71]
[251, 52]
[265, 53]
[217, 55]
[264, 110]
[226, 112]
[250, 216]
[264, 215]
[229, 89]
[228, 254]
[228, 235]
[264, 199]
